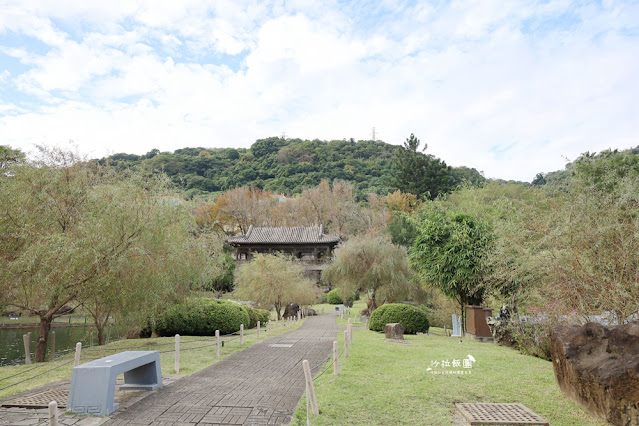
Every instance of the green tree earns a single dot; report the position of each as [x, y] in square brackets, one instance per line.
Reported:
[451, 253]
[539, 180]
[274, 281]
[589, 262]
[9, 156]
[419, 173]
[375, 265]
[74, 232]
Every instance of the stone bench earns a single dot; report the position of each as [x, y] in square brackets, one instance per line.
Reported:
[93, 383]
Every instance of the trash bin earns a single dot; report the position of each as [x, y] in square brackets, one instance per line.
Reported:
[476, 325]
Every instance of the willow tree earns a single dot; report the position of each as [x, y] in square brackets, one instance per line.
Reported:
[371, 264]
[274, 281]
[74, 232]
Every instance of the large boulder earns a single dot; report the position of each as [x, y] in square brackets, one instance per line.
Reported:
[291, 310]
[394, 331]
[598, 367]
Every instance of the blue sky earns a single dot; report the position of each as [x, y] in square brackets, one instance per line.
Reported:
[509, 88]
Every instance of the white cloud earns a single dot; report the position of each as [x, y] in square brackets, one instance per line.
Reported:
[507, 88]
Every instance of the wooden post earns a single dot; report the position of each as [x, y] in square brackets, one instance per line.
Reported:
[27, 348]
[350, 330]
[268, 328]
[335, 358]
[53, 413]
[217, 342]
[241, 334]
[52, 349]
[258, 329]
[346, 344]
[177, 354]
[310, 387]
[78, 351]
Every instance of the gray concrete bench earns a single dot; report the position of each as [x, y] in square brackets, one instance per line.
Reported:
[93, 383]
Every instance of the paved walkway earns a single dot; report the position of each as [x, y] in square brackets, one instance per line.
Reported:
[258, 386]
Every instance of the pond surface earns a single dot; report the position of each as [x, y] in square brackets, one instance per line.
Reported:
[12, 346]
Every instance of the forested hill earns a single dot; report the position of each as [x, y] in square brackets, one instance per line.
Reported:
[280, 165]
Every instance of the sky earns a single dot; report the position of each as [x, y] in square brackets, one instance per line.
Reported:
[510, 87]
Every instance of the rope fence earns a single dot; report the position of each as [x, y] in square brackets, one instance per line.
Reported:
[338, 351]
[91, 353]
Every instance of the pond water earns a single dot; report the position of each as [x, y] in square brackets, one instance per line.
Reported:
[12, 346]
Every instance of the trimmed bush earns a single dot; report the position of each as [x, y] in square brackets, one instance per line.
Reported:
[201, 317]
[333, 297]
[255, 315]
[413, 319]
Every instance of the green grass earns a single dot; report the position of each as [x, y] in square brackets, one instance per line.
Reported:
[73, 319]
[385, 383]
[196, 353]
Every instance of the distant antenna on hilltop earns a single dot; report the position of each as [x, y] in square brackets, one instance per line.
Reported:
[373, 135]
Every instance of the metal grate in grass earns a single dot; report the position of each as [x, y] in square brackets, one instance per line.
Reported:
[499, 414]
[40, 399]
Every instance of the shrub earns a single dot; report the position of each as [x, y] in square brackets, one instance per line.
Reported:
[334, 298]
[201, 317]
[413, 319]
[255, 315]
[529, 338]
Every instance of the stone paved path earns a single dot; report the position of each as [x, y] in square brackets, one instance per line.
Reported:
[258, 386]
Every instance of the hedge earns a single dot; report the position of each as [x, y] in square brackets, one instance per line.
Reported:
[255, 315]
[201, 317]
[413, 319]
[334, 298]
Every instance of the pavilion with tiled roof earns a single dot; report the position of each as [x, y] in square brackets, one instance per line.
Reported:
[308, 244]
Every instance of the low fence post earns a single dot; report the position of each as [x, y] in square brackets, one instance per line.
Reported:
[310, 387]
[258, 330]
[52, 349]
[27, 348]
[177, 354]
[53, 413]
[217, 343]
[350, 330]
[78, 351]
[346, 339]
[241, 334]
[268, 328]
[335, 358]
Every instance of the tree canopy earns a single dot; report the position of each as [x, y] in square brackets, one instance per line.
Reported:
[277, 165]
[371, 264]
[421, 174]
[451, 252]
[273, 280]
[77, 233]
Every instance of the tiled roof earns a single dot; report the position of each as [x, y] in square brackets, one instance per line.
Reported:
[295, 235]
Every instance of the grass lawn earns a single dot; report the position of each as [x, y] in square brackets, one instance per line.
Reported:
[73, 319]
[385, 383]
[196, 353]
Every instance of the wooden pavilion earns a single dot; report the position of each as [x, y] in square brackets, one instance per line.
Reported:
[310, 245]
